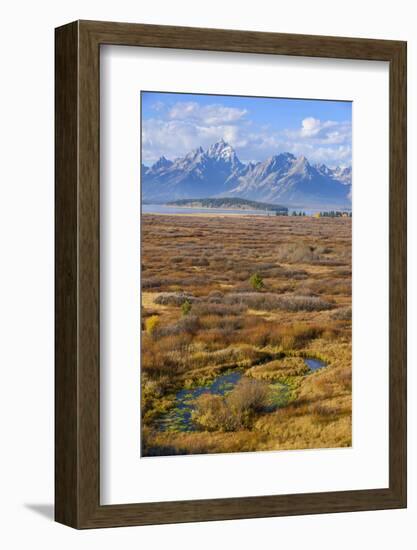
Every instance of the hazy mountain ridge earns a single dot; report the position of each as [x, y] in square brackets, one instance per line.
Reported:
[217, 172]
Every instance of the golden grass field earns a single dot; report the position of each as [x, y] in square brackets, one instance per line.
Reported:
[222, 362]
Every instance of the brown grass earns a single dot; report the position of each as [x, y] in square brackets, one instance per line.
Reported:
[304, 308]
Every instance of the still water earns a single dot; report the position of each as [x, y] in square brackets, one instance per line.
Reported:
[179, 418]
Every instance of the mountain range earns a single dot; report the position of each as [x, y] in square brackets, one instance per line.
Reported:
[218, 172]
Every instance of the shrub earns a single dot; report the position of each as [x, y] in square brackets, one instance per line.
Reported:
[189, 324]
[256, 281]
[342, 314]
[226, 322]
[151, 324]
[215, 308]
[156, 364]
[155, 282]
[260, 335]
[158, 282]
[294, 274]
[332, 286]
[249, 395]
[174, 298]
[154, 389]
[268, 301]
[179, 342]
[304, 303]
[197, 261]
[211, 412]
[288, 337]
[297, 253]
[215, 297]
[305, 290]
[215, 338]
[186, 307]
[214, 412]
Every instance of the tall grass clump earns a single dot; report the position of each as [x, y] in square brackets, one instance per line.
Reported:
[236, 410]
[248, 395]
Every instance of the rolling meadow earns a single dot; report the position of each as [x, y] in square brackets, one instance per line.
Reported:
[246, 333]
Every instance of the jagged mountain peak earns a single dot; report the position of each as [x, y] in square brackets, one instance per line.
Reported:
[218, 147]
[195, 153]
[340, 173]
[276, 164]
[282, 178]
[323, 169]
[222, 151]
[302, 161]
[279, 160]
[161, 163]
[340, 170]
[302, 165]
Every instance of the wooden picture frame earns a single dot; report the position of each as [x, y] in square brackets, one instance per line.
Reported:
[77, 403]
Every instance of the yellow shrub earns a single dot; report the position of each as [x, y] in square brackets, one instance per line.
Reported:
[151, 324]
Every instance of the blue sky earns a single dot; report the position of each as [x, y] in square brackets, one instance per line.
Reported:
[173, 124]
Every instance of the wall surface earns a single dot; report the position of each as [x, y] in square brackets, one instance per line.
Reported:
[26, 273]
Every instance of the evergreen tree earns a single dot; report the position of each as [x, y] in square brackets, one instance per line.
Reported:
[256, 281]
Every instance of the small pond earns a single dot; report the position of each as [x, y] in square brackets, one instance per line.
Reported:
[314, 364]
[179, 417]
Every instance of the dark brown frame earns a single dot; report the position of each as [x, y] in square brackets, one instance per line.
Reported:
[77, 472]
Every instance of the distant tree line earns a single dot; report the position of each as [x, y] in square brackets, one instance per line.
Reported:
[335, 214]
[231, 202]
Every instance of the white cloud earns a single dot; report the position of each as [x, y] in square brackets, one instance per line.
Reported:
[187, 125]
[310, 126]
[319, 131]
[207, 114]
[158, 106]
[174, 138]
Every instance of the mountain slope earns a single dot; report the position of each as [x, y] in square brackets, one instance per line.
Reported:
[291, 181]
[198, 174]
[218, 172]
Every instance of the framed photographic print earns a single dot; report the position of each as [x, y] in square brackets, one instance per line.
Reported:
[230, 274]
